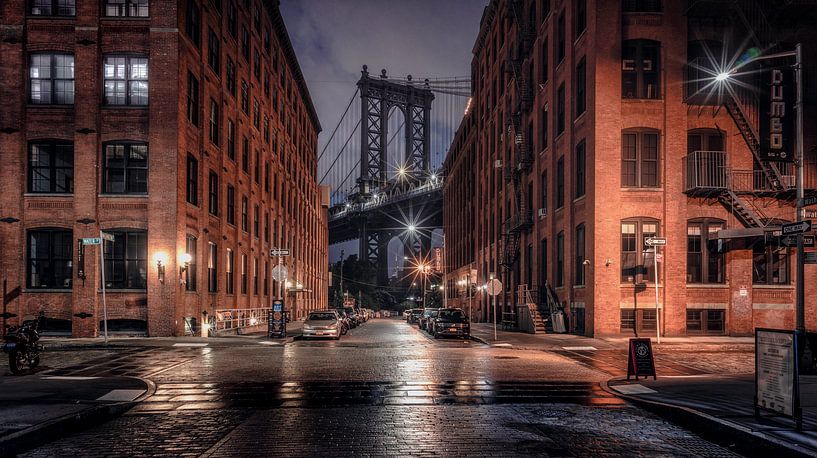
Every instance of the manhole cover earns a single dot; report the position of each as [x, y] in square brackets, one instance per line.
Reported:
[506, 357]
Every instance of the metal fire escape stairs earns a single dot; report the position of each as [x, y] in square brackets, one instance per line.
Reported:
[739, 102]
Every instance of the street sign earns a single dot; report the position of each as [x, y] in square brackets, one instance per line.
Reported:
[494, 287]
[791, 241]
[810, 257]
[275, 252]
[655, 241]
[279, 273]
[106, 236]
[796, 228]
[809, 201]
[92, 241]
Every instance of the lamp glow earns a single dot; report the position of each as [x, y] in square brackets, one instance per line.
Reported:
[723, 76]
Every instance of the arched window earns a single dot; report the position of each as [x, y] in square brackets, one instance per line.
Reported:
[641, 69]
[640, 155]
[705, 254]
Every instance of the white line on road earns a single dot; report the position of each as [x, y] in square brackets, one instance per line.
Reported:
[633, 389]
[266, 342]
[121, 395]
[579, 348]
[503, 345]
[189, 344]
[66, 377]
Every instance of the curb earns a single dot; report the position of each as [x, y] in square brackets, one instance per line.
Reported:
[723, 432]
[56, 428]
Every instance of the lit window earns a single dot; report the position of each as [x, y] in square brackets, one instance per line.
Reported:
[126, 80]
[51, 79]
[126, 8]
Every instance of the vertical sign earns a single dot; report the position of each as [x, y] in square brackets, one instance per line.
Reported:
[438, 259]
[776, 378]
[777, 115]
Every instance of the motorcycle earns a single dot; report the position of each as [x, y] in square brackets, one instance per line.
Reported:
[21, 345]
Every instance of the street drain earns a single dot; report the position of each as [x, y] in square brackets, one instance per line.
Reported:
[506, 357]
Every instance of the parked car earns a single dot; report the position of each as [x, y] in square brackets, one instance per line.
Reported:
[324, 323]
[423, 321]
[430, 322]
[414, 316]
[347, 323]
[351, 312]
[450, 322]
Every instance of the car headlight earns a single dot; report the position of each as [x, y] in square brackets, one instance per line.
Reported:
[332, 326]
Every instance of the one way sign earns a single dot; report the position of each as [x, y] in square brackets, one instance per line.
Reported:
[796, 228]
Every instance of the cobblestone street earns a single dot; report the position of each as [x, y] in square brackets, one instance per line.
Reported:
[386, 388]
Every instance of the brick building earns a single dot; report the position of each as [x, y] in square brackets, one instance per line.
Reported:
[183, 128]
[591, 129]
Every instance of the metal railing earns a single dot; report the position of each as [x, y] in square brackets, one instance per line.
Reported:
[705, 170]
[708, 170]
[233, 319]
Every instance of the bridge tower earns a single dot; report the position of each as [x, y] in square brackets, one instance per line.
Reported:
[378, 96]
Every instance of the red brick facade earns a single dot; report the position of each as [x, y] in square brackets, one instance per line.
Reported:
[489, 185]
[178, 215]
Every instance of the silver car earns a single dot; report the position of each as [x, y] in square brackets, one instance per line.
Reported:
[324, 323]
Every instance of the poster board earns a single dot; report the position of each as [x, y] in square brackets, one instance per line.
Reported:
[777, 387]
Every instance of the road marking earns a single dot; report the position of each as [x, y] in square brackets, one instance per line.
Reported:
[266, 342]
[121, 395]
[503, 345]
[633, 389]
[579, 348]
[68, 377]
[189, 344]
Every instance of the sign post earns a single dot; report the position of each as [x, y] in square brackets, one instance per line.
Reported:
[99, 241]
[655, 242]
[494, 288]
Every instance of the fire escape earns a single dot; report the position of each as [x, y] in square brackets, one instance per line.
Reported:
[707, 173]
[517, 111]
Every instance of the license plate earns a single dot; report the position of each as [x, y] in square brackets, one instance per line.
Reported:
[452, 329]
[319, 333]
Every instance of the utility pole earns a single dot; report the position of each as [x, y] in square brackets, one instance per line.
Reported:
[342, 295]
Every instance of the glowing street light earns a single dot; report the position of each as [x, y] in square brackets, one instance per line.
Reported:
[722, 76]
[412, 228]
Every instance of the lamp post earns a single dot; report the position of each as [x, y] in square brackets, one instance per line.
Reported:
[797, 53]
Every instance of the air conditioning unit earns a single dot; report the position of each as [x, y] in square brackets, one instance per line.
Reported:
[498, 164]
[543, 212]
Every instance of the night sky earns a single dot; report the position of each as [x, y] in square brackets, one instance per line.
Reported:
[334, 38]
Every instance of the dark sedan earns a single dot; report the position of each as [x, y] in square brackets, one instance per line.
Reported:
[451, 322]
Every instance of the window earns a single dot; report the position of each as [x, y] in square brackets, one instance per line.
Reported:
[243, 273]
[190, 271]
[125, 168]
[50, 259]
[543, 198]
[192, 99]
[266, 130]
[257, 167]
[544, 62]
[770, 264]
[231, 77]
[245, 155]
[215, 126]
[51, 168]
[579, 247]
[628, 320]
[212, 192]
[560, 258]
[245, 223]
[53, 8]
[126, 80]
[704, 254]
[581, 16]
[51, 79]
[126, 260]
[704, 321]
[125, 8]
[231, 23]
[266, 227]
[705, 140]
[230, 204]
[192, 179]
[255, 276]
[245, 97]
[641, 6]
[231, 139]
[581, 161]
[560, 109]
[543, 129]
[212, 267]
[256, 223]
[192, 24]
[560, 182]
[581, 90]
[228, 272]
[213, 51]
[256, 63]
[636, 262]
[543, 266]
[245, 43]
[256, 114]
[640, 69]
[560, 36]
[266, 83]
[266, 278]
[639, 159]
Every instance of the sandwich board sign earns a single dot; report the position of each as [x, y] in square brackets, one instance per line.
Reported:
[777, 387]
[640, 361]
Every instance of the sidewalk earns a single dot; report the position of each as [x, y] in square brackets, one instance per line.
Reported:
[37, 408]
[726, 404]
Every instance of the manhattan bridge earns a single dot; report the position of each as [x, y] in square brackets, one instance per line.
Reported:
[383, 163]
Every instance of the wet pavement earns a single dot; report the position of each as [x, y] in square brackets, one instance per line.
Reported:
[384, 389]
